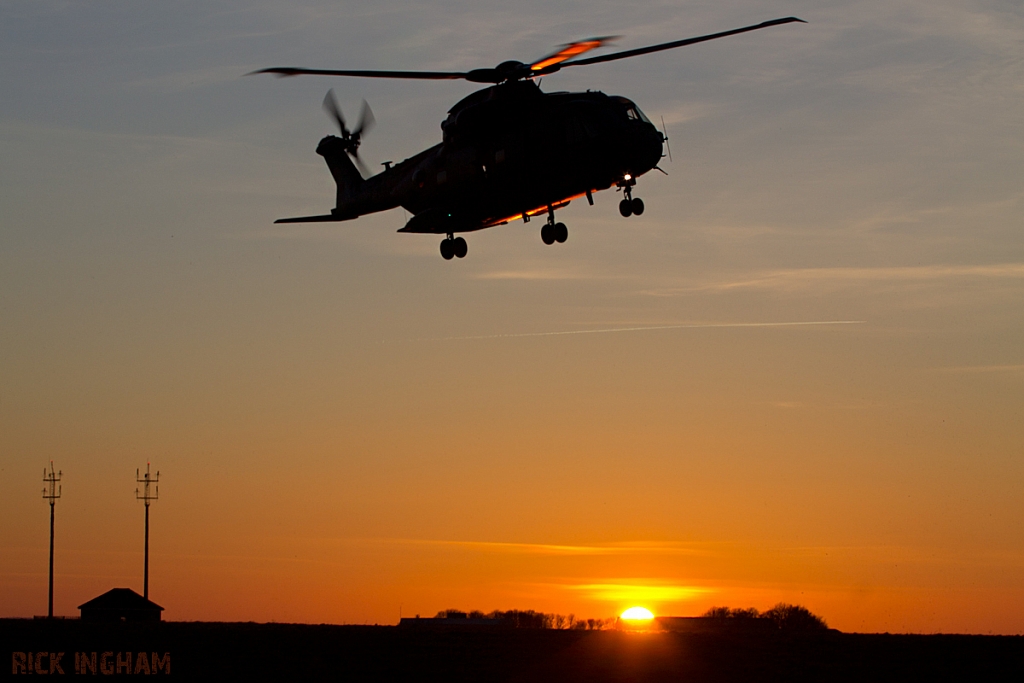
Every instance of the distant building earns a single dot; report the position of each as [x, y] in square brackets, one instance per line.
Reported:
[120, 604]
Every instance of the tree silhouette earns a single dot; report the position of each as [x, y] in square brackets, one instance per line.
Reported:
[731, 613]
[794, 618]
[786, 617]
[530, 619]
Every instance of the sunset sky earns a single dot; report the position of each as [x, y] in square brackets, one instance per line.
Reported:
[348, 427]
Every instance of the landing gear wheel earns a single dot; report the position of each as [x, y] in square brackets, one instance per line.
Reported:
[460, 247]
[637, 205]
[626, 208]
[561, 233]
[448, 249]
[547, 234]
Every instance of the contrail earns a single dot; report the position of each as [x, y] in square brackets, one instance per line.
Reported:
[690, 326]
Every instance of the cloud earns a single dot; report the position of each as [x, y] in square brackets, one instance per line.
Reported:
[532, 275]
[981, 369]
[680, 113]
[637, 591]
[177, 81]
[682, 326]
[804, 278]
[812, 276]
[518, 548]
[628, 548]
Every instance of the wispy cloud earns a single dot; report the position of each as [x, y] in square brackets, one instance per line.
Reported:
[803, 278]
[820, 404]
[981, 369]
[680, 113]
[626, 548]
[194, 78]
[683, 326]
[636, 591]
[520, 548]
[533, 275]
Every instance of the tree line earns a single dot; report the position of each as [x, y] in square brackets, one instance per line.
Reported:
[786, 617]
[516, 618]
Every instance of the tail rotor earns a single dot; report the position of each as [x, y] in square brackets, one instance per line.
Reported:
[351, 139]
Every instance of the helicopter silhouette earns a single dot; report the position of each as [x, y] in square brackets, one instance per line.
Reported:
[508, 151]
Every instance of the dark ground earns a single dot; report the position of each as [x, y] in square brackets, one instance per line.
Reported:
[291, 652]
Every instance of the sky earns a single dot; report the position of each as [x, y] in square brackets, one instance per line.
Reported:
[349, 428]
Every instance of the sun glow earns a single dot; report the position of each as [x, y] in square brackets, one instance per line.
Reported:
[634, 593]
[637, 614]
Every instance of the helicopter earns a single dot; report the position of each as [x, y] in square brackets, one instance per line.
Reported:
[508, 152]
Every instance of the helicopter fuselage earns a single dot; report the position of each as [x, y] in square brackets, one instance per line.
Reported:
[508, 151]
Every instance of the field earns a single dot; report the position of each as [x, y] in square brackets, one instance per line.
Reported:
[293, 652]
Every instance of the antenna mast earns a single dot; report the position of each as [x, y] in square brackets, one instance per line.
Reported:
[51, 492]
[145, 497]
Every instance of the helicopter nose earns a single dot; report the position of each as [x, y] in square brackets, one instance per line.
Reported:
[653, 144]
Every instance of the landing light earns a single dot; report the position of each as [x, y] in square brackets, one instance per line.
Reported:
[627, 177]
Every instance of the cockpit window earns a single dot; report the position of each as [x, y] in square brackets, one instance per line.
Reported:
[634, 112]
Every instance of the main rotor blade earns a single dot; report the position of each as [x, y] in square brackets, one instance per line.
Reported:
[679, 43]
[571, 50]
[549, 64]
[423, 75]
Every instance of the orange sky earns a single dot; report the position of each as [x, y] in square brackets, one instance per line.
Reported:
[721, 477]
[341, 438]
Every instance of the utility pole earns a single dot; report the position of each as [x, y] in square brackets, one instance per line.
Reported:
[145, 497]
[52, 494]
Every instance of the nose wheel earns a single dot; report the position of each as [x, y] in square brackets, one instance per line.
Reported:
[630, 205]
[453, 247]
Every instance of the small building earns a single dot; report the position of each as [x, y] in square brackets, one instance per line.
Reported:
[120, 604]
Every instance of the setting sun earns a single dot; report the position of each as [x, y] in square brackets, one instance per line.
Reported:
[638, 614]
